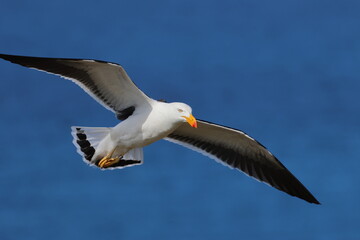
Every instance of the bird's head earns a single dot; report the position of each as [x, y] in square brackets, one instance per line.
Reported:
[183, 112]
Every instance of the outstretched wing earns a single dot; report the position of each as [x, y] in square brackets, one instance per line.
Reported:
[237, 150]
[106, 82]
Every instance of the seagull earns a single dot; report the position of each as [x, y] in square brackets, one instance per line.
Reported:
[145, 120]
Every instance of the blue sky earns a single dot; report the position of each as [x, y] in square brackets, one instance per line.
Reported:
[285, 72]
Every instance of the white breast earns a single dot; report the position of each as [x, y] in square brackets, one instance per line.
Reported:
[144, 127]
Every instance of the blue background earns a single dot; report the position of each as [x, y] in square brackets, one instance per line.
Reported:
[285, 72]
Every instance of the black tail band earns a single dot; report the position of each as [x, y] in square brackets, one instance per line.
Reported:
[84, 144]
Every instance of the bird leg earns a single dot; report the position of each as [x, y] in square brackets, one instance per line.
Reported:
[108, 161]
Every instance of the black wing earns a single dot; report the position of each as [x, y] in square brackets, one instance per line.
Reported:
[237, 150]
[106, 82]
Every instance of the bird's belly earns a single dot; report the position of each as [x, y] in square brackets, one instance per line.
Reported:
[142, 138]
[134, 136]
[152, 136]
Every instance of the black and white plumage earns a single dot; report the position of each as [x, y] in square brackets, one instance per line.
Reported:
[145, 120]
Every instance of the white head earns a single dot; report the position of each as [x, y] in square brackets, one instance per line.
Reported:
[183, 111]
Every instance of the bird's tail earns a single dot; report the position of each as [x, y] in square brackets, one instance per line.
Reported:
[86, 139]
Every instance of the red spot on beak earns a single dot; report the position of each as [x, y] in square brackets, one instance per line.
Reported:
[191, 120]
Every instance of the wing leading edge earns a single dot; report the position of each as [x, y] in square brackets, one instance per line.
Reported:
[235, 149]
[107, 83]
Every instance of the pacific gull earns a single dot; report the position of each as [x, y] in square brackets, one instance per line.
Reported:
[145, 120]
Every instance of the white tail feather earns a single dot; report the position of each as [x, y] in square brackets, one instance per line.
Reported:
[134, 154]
[87, 139]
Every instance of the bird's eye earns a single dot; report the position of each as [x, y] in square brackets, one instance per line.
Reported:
[180, 110]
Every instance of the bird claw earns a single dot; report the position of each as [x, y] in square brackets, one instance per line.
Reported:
[106, 161]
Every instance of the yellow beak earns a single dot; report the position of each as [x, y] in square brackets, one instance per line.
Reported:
[191, 120]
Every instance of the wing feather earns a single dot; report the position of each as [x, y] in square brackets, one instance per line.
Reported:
[108, 83]
[236, 149]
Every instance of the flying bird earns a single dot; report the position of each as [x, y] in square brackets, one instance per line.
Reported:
[145, 120]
